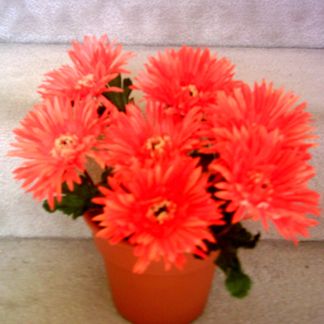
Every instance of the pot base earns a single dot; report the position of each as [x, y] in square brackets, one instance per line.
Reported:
[156, 296]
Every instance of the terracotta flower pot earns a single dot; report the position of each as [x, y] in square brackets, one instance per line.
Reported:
[157, 296]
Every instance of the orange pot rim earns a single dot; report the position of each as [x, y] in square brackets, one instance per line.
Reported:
[192, 264]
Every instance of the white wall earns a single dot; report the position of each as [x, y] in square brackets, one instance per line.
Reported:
[252, 23]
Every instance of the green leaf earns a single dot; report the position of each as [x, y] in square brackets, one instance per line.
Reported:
[127, 91]
[240, 237]
[47, 207]
[204, 159]
[228, 260]
[229, 239]
[120, 99]
[238, 284]
[75, 203]
[105, 174]
[117, 82]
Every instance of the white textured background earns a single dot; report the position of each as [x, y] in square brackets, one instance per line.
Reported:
[253, 23]
[288, 23]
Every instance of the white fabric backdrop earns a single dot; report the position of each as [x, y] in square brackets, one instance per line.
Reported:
[252, 23]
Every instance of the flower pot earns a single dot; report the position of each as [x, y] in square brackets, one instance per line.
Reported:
[157, 296]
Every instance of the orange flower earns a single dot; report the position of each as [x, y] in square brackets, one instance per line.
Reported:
[99, 54]
[185, 78]
[144, 138]
[264, 180]
[96, 62]
[55, 139]
[69, 83]
[164, 211]
[274, 109]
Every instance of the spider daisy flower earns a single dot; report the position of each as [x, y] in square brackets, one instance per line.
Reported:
[55, 140]
[164, 212]
[185, 78]
[69, 83]
[146, 137]
[272, 108]
[263, 180]
[95, 63]
[99, 52]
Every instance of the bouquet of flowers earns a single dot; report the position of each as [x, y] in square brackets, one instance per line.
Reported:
[179, 175]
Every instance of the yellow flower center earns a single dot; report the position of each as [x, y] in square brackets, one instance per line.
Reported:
[162, 211]
[262, 188]
[192, 89]
[156, 144]
[65, 146]
[258, 178]
[86, 81]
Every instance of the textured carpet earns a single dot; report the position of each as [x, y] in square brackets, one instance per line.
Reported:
[46, 281]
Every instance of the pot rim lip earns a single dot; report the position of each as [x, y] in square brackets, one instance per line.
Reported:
[95, 228]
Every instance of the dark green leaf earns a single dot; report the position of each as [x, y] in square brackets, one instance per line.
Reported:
[117, 82]
[120, 99]
[108, 172]
[233, 236]
[76, 202]
[47, 207]
[229, 239]
[204, 159]
[105, 174]
[240, 237]
[237, 282]
[228, 260]
[127, 91]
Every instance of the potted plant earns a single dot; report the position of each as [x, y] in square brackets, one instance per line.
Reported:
[178, 177]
